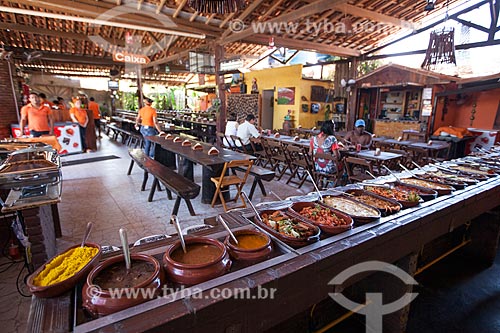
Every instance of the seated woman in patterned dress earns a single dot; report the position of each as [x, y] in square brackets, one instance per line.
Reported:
[325, 142]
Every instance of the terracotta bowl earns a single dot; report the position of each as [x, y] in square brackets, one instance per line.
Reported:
[190, 273]
[63, 286]
[100, 302]
[253, 254]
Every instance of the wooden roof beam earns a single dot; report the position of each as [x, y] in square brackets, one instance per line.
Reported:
[179, 8]
[304, 45]
[253, 5]
[310, 9]
[160, 6]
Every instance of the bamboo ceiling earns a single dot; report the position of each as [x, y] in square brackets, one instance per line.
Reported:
[69, 43]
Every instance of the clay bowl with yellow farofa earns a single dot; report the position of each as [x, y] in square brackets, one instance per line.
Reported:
[110, 287]
[63, 272]
[204, 259]
[328, 219]
[252, 245]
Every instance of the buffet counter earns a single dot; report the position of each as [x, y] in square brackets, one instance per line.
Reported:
[394, 128]
[298, 278]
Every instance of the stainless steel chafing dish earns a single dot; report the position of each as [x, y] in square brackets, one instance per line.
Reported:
[31, 166]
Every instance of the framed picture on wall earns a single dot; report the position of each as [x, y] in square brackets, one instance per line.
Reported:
[305, 107]
[286, 96]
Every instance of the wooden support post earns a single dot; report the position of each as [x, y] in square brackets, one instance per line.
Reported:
[221, 89]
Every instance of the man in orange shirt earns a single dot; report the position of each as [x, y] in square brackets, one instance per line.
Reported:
[45, 101]
[94, 107]
[79, 115]
[149, 124]
[38, 116]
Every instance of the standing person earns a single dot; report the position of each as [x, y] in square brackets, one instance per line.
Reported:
[46, 102]
[64, 110]
[325, 142]
[149, 125]
[38, 116]
[358, 135]
[246, 131]
[79, 115]
[94, 107]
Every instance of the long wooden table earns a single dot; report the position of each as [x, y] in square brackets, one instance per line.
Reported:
[166, 151]
[301, 278]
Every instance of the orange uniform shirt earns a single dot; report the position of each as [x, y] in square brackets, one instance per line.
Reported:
[47, 103]
[147, 113]
[37, 117]
[94, 107]
[80, 114]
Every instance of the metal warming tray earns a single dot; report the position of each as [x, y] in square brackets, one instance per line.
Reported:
[32, 166]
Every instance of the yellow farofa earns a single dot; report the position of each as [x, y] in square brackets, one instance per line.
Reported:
[65, 266]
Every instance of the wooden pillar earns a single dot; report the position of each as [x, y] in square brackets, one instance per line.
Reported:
[221, 89]
[351, 95]
[139, 86]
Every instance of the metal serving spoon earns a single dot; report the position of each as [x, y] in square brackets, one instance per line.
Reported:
[224, 224]
[175, 222]
[125, 248]
[87, 233]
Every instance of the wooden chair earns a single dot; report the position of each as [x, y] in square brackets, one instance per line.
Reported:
[299, 162]
[267, 152]
[405, 160]
[356, 169]
[278, 157]
[223, 141]
[224, 182]
[241, 148]
[419, 155]
[322, 178]
[260, 154]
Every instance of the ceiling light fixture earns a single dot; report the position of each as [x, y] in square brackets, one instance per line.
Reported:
[99, 22]
[216, 6]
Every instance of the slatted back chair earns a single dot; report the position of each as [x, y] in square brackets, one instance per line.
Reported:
[356, 169]
[278, 157]
[223, 183]
[257, 151]
[419, 155]
[223, 141]
[238, 143]
[299, 162]
[267, 151]
[405, 160]
[323, 179]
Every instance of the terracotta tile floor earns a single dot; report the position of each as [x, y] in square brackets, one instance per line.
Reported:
[101, 192]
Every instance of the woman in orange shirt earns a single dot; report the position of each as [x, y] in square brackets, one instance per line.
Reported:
[79, 115]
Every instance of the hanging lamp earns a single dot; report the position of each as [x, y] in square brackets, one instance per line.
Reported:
[216, 6]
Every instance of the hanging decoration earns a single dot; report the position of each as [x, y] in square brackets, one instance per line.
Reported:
[216, 6]
[441, 49]
[473, 113]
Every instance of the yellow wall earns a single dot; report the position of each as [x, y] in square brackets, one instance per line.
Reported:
[286, 77]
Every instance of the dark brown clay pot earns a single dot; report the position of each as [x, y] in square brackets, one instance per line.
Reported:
[190, 274]
[253, 254]
[99, 302]
[63, 286]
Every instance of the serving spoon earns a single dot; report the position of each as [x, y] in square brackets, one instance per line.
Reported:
[224, 224]
[392, 173]
[315, 186]
[125, 248]
[175, 222]
[87, 233]
[407, 170]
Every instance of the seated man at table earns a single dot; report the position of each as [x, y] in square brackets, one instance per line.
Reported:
[246, 131]
[358, 135]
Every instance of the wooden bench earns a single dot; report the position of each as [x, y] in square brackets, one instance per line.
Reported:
[259, 174]
[118, 131]
[173, 182]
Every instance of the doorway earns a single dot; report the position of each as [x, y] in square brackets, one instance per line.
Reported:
[267, 109]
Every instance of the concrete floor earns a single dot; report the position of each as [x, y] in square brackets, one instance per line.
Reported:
[454, 295]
